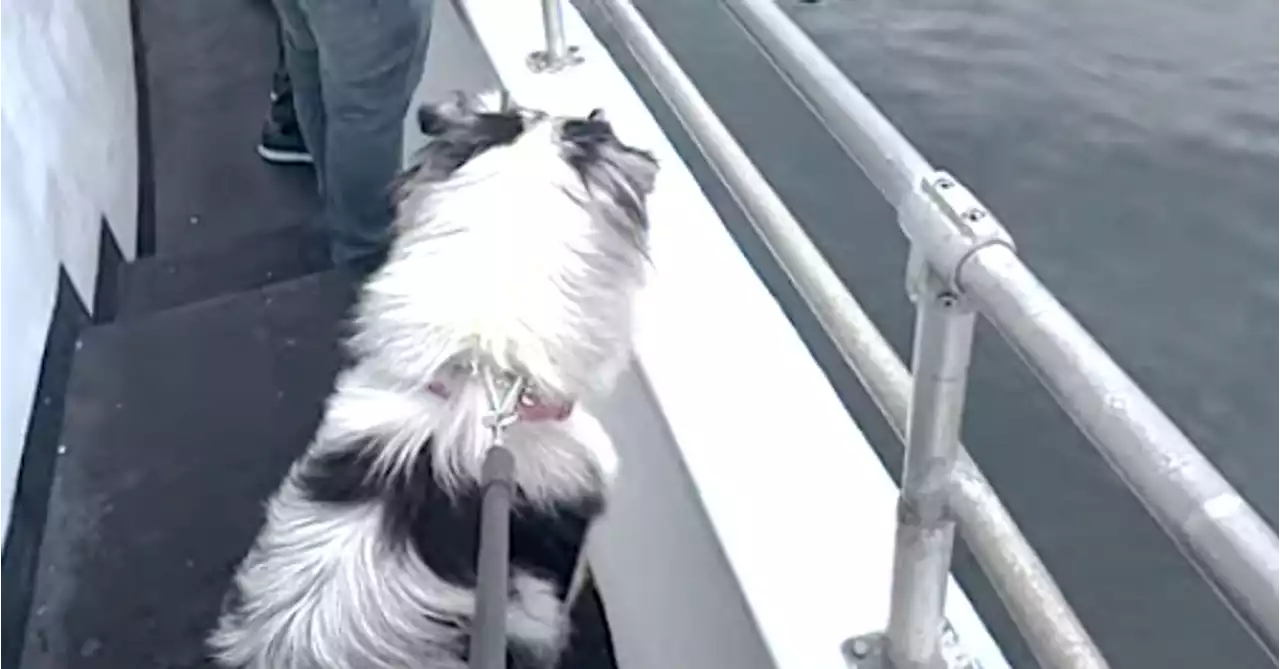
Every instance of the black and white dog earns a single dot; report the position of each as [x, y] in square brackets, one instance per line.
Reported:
[520, 241]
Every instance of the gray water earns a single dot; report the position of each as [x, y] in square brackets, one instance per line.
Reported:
[1131, 149]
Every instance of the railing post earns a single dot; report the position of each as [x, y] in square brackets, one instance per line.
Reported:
[558, 54]
[926, 530]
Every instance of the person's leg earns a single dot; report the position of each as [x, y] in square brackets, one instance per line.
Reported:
[280, 84]
[282, 140]
[371, 58]
[302, 59]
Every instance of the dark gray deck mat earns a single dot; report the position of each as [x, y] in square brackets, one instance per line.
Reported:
[177, 427]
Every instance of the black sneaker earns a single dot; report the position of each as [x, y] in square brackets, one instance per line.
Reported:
[283, 144]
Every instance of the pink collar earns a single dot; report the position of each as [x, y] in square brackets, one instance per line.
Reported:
[530, 411]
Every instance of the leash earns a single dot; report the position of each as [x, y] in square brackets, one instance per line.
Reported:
[488, 643]
[488, 647]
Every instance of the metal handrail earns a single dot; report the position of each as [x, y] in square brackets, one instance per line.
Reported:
[1052, 629]
[962, 259]
[1210, 522]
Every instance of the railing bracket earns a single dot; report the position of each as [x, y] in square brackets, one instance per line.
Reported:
[871, 651]
[558, 55]
[969, 226]
[544, 61]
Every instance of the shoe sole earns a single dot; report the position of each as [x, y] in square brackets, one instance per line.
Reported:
[284, 157]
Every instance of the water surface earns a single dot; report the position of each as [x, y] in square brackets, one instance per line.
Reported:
[1131, 149]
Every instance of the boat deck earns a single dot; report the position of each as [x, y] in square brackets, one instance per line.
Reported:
[183, 414]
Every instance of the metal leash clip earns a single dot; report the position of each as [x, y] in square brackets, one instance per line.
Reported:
[504, 407]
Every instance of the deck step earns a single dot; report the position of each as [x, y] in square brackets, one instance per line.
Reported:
[177, 426]
[160, 282]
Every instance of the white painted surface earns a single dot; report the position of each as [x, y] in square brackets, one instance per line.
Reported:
[750, 528]
[68, 108]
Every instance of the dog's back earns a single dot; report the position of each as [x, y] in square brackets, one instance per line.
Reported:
[367, 557]
[363, 568]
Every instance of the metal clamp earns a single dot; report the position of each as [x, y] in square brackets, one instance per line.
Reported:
[966, 227]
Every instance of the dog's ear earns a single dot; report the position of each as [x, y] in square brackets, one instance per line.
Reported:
[641, 169]
[436, 119]
[592, 145]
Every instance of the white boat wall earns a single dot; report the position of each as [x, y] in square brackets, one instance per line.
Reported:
[70, 186]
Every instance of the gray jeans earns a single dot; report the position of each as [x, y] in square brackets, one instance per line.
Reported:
[354, 66]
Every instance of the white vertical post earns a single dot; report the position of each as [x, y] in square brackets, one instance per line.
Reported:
[553, 28]
[558, 54]
[922, 552]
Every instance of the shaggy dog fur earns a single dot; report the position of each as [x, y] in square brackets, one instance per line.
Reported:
[520, 241]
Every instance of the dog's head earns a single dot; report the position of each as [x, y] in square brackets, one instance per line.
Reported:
[521, 238]
[520, 235]
[615, 177]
